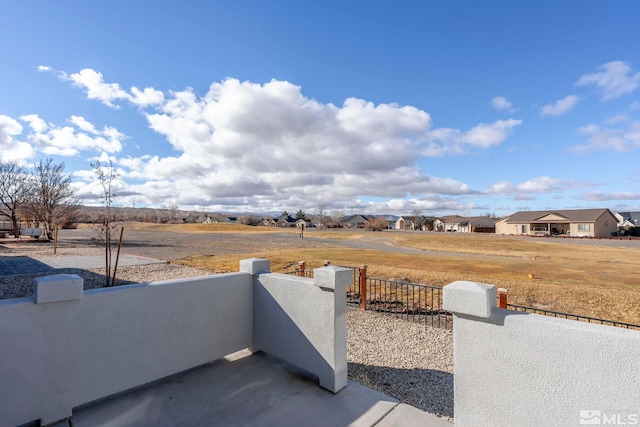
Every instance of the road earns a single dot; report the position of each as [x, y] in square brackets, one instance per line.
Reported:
[170, 246]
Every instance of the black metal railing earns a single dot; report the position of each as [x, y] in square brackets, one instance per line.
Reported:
[569, 316]
[409, 301]
[423, 303]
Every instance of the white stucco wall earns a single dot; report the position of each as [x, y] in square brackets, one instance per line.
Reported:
[513, 368]
[64, 347]
[303, 321]
[57, 355]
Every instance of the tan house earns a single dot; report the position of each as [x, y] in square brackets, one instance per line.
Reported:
[469, 224]
[572, 223]
[405, 223]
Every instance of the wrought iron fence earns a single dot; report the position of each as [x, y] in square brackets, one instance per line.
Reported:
[409, 301]
[569, 316]
[423, 303]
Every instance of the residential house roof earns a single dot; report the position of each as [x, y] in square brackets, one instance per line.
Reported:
[630, 217]
[354, 219]
[573, 215]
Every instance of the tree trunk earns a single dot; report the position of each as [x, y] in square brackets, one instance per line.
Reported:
[16, 226]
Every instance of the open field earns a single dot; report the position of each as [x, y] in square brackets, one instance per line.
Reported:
[589, 280]
[578, 277]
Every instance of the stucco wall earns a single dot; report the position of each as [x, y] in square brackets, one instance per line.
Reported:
[64, 347]
[304, 321]
[513, 368]
[57, 355]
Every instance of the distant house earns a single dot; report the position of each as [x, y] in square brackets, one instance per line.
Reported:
[573, 223]
[405, 223]
[285, 221]
[448, 223]
[302, 223]
[629, 222]
[464, 224]
[354, 221]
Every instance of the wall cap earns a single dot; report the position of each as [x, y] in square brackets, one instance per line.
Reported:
[255, 266]
[333, 278]
[58, 287]
[470, 298]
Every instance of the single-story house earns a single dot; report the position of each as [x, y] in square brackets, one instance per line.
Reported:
[573, 223]
[628, 219]
[629, 222]
[354, 221]
[464, 224]
[405, 223]
[303, 223]
[285, 221]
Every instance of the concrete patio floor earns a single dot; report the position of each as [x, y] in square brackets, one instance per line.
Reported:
[246, 389]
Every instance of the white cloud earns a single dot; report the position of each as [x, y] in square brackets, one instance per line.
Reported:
[69, 141]
[269, 141]
[605, 139]
[543, 184]
[501, 103]
[598, 196]
[269, 145]
[93, 82]
[11, 148]
[35, 122]
[615, 79]
[560, 107]
[83, 124]
[527, 189]
[146, 97]
[616, 119]
[44, 68]
[445, 141]
[501, 187]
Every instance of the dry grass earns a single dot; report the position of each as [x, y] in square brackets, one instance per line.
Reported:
[586, 280]
[205, 228]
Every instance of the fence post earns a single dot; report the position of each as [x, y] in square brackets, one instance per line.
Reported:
[502, 297]
[363, 287]
[301, 266]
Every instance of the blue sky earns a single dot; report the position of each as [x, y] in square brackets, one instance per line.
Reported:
[378, 107]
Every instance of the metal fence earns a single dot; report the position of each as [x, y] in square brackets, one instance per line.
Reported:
[423, 303]
[409, 301]
[572, 316]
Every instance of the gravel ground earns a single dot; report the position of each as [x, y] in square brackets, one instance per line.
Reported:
[405, 360]
[402, 359]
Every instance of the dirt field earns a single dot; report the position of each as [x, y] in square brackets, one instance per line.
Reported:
[598, 278]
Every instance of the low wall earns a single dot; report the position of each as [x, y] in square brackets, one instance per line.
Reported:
[514, 368]
[58, 354]
[64, 347]
[303, 321]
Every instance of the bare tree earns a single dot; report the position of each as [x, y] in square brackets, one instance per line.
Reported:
[321, 213]
[249, 219]
[108, 226]
[377, 224]
[418, 218]
[15, 189]
[53, 202]
[337, 215]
